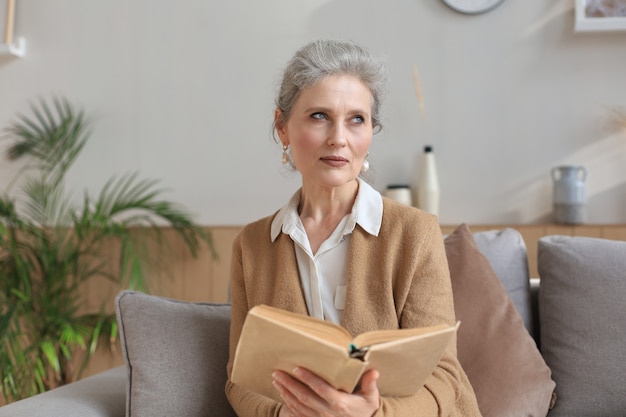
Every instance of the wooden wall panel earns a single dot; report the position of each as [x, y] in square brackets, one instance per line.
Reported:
[617, 232]
[206, 279]
[223, 239]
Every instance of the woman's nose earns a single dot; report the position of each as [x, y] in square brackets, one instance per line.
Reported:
[338, 135]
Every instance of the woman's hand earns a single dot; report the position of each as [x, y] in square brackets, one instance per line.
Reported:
[307, 395]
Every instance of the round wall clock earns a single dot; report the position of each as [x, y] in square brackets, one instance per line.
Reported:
[472, 6]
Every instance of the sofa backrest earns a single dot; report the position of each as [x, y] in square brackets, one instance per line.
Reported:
[179, 350]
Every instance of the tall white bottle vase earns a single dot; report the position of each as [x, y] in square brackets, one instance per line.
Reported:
[428, 194]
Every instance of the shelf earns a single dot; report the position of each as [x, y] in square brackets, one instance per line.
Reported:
[17, 49]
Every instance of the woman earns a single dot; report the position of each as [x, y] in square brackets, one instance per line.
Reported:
[340, 251]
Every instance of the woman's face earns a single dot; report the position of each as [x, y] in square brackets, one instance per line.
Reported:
[329, 130]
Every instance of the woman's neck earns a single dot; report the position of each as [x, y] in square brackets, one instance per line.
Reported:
[321, 210]
[318, 202]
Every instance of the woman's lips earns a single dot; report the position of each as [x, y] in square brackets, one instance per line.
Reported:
[335, 161]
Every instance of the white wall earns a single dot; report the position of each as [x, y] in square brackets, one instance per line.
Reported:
[183, 91]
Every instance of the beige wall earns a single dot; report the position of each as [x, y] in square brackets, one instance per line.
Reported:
[183, 91]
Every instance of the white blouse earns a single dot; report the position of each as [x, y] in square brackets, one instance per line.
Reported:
[323, 274]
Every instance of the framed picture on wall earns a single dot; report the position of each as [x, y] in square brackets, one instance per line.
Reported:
[600, 15]
[4, 18]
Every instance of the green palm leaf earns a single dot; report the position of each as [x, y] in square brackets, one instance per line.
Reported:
[50, 246]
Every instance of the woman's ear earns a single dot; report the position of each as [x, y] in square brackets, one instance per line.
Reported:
[279, 125]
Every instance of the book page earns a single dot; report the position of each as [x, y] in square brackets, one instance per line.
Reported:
[380, 336]
[405, 364]
[314, 327]
[266, 346]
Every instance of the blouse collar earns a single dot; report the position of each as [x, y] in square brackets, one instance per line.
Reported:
[367, 212]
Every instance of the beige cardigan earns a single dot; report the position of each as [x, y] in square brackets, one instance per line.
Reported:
[398, 279]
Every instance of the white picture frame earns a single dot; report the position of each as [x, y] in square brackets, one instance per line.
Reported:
[588, 21]
[3, 20]
[10, 44]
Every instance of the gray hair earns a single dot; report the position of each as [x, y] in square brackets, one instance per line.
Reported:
[322, 58]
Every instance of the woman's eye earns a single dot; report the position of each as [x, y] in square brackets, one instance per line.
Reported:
[358, 119]
[319, 116]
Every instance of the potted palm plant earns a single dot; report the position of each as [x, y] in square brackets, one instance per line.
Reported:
[50, 247]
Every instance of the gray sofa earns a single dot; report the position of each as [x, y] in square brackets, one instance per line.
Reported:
[176, 352]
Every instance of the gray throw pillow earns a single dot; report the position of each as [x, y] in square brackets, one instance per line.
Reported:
[176, 354]
[506, 251]
[582, 320]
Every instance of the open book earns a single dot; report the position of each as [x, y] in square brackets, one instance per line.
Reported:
[274, 339]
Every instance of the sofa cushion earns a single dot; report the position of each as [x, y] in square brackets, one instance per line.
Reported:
[501, 359]
[506, 251]
[176, 354]
[100, 395]
[582, 316]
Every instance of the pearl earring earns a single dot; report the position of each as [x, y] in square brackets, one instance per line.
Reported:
[366, 164]
[285, 157]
